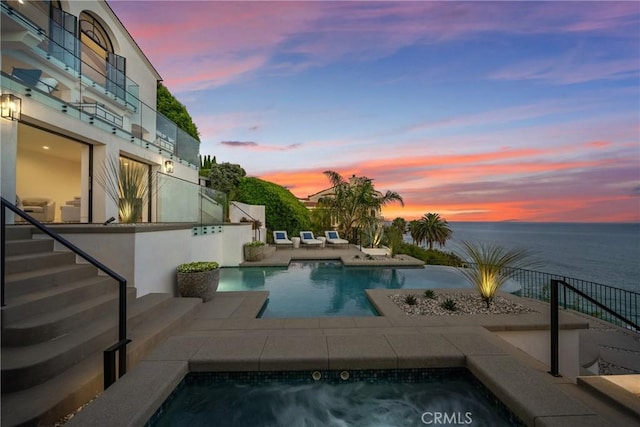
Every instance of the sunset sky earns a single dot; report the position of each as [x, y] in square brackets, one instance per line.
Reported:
[477, 111]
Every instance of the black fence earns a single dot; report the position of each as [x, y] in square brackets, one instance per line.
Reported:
[536, 284]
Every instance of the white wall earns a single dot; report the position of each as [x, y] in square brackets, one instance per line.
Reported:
[237, 212]
[538, 345]
[8, 153]
[148, 260]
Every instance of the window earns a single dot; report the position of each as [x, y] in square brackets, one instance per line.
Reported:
[103, 65]
[94, 35]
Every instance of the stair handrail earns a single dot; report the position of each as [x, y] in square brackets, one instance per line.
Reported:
[253, 220]
[121, 345]
[554, 320]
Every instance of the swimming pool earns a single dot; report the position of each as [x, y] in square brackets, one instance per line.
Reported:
[328, 288]
[407, 397]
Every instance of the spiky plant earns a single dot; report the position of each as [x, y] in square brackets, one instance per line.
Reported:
[128, 184]
[429, 294]
[449, 305]
[491, 265]
[410, 299]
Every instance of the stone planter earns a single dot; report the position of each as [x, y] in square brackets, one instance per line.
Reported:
[254, 253]
[199, 285]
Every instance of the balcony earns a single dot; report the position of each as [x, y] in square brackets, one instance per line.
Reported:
[72, 79]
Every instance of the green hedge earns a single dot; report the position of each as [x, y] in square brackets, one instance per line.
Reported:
[431, 257]
[283, 211]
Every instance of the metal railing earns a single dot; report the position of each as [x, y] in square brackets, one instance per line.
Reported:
[536, 285]
[119, 347]
[254, 222]
[555, 306]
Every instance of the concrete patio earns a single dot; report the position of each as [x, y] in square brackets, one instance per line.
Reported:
[226, 336]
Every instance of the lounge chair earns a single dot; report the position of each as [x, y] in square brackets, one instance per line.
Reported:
[333, 238]
[307, 239]
[281, 240]
[33, 77]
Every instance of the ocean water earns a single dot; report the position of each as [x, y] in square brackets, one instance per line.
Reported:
[606, 253]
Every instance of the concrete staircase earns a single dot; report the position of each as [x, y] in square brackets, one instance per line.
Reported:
[58, 319]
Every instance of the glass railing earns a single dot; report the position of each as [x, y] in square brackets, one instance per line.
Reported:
[178, 200]
[74, 80]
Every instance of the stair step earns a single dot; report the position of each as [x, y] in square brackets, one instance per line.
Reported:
[18, 284]
[63, 394]
[55, 323]
[604, 389]
[30, 262]
[24, 367]
[629, 360]
[28, 246]
[35, 303]
[18, 232]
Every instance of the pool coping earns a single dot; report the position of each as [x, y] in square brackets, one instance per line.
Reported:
[225, 337]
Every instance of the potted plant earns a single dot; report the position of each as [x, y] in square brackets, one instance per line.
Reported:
[198, 279]
[254, 251]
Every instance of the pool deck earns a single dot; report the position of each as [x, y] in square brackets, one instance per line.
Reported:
[349, 255]
[226, 336]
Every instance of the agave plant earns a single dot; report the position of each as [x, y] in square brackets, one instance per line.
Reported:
[449, 305]
[410, 299]
[128, 184]
[491, 266]
[429, 294]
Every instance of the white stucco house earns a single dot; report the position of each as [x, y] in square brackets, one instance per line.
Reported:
[77, 93]
[85, 92]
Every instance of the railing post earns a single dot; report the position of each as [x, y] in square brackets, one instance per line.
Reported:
[554, 328]
[122, 329]
[3, 218]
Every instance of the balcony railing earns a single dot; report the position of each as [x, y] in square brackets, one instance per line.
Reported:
[74, 80]
[178, 200]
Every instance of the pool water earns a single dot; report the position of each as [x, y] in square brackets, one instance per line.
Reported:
[328, 288]
[415, 397]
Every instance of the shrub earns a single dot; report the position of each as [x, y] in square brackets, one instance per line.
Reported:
[491, 265]
[431, 257]
[429, 294]
[255, 244]
[283, 211]
[449, 305]
[410, 299]
[197, 267]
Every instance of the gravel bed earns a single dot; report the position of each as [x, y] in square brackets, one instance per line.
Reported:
[466, 303]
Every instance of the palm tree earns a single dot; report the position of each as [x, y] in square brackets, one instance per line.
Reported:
[431, 229]
[400, 224]
[354, 202]
[491, 266]
[414, 231]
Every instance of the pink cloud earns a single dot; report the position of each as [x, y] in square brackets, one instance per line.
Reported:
[238, 38]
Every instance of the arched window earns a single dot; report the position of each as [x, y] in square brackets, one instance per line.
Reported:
[103, 65]
[91, 29]
[93, 35]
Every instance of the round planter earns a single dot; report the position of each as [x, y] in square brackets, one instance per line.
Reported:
[199, 285]
[254, 253]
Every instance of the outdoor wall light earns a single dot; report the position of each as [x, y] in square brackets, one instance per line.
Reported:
[168, 166]
[11, 106]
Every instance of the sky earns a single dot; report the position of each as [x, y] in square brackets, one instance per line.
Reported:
[478, 111]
